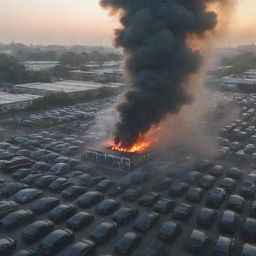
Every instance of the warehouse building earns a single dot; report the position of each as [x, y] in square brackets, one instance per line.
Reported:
[40, 65]
[72, 88]
[251, 74]
[106, 74]
[239, 83]
[10, 101]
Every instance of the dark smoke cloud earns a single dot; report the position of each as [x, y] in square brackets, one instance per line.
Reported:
[158, 59]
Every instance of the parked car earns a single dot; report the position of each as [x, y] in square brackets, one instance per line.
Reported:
[164, 205]
[215, 197]
[145, 221]
[177, 188]
[203, 166]
[60, 168]
[228, 184]
[127, 243]
[107, 206]
[207, 181]
[124, 215]
[62, 212]
[17, 218]
[248, 250]
[36, 230]
[117, 189]
[95, 180]
[197, 242]
[81, 248]
[7, 207]
[132, 194]
[44, 181]
[169, 231]
[39, 167]
[248, 190]
[79, 220]
[192, 176]
[182, 211]
[224, 246]
[44, 204]
[162, 184]
[60, 184]
[56, 241]
[217, 170]
[103, 232]
[21, 173]
[10, 188]
[149, 199]
[253, 209]
[73, 192]
[206, 217]
[7, 246]
[103, 185]
[30, 178]
[236, 203]
[234, 173]
[228, 222]
[83, 180]
[27, 195]
[194, 194]
[249, 229]
[90, 199]
[27, 252]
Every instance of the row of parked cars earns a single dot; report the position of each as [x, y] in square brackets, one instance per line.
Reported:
[238, 139]
[52, 201]
[83, 111]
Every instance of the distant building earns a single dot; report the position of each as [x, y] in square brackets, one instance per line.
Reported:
[106, 74]
[239, 83]
[251, 74]
[72, 88]
[10, 101]
[40, 65]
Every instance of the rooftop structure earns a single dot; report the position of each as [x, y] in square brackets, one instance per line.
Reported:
[109, 74]
[116, 159]
[10, 101]
[40, 65]
[73, 88]
[239, 83]
[251, 74]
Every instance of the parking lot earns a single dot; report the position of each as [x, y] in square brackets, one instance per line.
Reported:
[160, 203]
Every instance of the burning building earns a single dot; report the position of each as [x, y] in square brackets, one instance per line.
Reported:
[118, 159]
[156, 38]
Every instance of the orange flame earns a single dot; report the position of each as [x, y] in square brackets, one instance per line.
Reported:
[142, 144]
[137, 147]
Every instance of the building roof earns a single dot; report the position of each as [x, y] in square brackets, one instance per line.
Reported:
[8, 98]
[102, 71]
[237, 81]
[67, 86]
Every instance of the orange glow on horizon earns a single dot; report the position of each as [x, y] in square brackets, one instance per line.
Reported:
[85, 22]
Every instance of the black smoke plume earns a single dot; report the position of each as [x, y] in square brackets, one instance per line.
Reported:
[159, 61]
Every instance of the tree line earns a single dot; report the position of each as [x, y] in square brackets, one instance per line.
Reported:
[12, 70]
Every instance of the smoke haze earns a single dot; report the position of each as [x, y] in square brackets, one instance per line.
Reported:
[159, 62]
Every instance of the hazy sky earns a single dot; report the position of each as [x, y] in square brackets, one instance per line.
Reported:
[85, 22]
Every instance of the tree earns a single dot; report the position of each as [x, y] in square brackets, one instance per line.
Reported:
[11, 71]
[72, 59]
[40, 76]
[61, 71]
[98, 57]
[239, 63]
